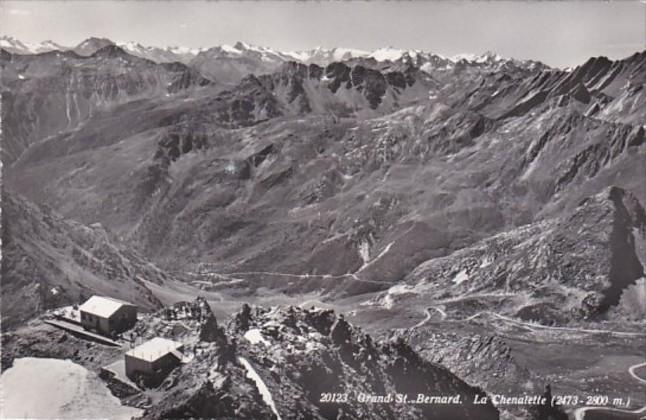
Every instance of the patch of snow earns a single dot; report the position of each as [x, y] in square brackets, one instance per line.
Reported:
[52, 388]
[486, 262]
[474, 58]
[391, 54]
[184, 50]
[298, 55]
[254, 336]
[364, 251]
[461, 277]
[340, 54]
[230, 49]
[260, 384]
[465, 56]
[230, 168]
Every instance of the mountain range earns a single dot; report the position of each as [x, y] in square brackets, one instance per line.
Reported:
[360, 168]
[410, 191]
[271, 57]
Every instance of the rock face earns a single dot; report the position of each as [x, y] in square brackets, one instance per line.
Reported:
[229, 65]
[50, 262]
[302, 355]
[346, 89]
[489, 362]
[56, 91]
[486, 360]
[569, 268]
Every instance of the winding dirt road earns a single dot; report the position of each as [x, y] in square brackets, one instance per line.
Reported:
[429, 315]
[548, 327]
[634, 375]
[579, 414]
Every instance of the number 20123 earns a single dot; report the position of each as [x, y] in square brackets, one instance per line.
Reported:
[328, 397]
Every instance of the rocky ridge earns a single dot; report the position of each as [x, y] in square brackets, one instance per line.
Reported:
[296, 353]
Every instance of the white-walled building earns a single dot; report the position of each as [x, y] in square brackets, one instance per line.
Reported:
[153, 359]
[107, 315]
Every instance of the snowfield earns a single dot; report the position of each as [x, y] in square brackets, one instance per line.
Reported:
[254, 336]
[53, 388]
[260, 384]
[461, 277]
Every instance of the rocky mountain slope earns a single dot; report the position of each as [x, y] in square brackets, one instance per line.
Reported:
[550, 271]
[53, 92]
[229, 64]
[49, 262]
[343, 179]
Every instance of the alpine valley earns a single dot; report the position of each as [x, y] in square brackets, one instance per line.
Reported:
[389, 222]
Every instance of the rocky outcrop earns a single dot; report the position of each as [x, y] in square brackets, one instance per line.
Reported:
[224, 399]
[211, 332]
[306, 354]
[480, 359]
[345, 88]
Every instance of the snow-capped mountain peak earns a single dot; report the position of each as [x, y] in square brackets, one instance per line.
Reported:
[92, 45]
[270, 58]
[16, 46]
[324, 56]
[488, 56]
[393, 54]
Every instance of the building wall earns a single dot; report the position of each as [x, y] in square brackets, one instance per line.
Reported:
[153, 373]
[134, 365]
[166, 362]
[96, 323]
[123, 319]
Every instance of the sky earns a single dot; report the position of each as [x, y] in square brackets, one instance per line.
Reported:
[559, 33]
